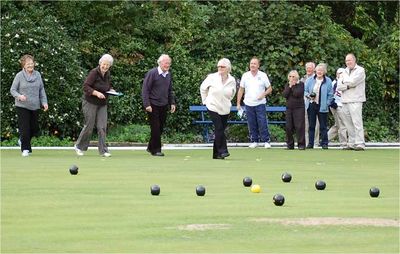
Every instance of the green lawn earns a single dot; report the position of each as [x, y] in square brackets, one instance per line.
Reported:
[108, 208]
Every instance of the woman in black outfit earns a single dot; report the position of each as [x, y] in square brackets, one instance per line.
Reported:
[295, 121]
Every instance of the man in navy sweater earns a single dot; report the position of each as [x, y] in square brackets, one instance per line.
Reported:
[157, 95]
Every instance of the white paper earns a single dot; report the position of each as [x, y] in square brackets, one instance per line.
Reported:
[115, 93]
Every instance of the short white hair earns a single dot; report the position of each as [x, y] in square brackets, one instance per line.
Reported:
[340, 70]
[310, 64]
[323, 66]
[162, 58]
[108, 58]
[225, 62]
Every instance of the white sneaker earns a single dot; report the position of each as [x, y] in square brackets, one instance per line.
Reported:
[25, 153]
[78, 151]
[253, 145]
[267, 145]
[106, 154]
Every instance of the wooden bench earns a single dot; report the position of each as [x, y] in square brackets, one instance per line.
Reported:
[206, 122]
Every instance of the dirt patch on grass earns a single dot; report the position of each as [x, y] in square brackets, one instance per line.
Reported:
[203, 227]
[333, 221]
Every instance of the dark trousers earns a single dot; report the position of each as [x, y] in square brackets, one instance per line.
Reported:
[295, 123]
[313, 113]
[258, 123]
[28, 126]
[220, 122]
[157, 120]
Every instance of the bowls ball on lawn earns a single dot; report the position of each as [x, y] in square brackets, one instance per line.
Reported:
[278, 199]
[255, 188]
[200, 190]
[247, 181]
[286, 177]
[155, 190]
[320, 185]
[73, 170]
[374, 192]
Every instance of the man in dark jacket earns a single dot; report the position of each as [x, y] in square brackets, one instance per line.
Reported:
[157, 95]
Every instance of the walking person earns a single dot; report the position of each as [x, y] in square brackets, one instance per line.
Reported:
[255, 87]
[353, 97]
[94, 106]
[158, 98]
[217, 92]
[295, 121]
[28, 91]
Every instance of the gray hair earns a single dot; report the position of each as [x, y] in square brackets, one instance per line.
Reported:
[352, 55]
[162, 58]
[340, 70]
[108, 58]
[295, 73]
[311, 64]
[225, 62]
[323, 66]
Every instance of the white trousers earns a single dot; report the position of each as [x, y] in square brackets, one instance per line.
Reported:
[338, 129]
[352, 113]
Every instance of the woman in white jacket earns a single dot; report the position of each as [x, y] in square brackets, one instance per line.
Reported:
[217, 91]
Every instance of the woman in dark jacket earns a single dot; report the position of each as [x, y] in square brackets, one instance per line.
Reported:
[94, 106]
[295, 120]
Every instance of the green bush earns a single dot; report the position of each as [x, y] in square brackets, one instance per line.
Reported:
[376, 132]
[129, 133]
[41, 141]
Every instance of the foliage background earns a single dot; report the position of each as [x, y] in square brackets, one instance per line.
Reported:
[68, 37]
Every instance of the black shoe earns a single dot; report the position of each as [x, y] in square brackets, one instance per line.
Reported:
[158, 154]
[325, 147]
[218, 157]
[223, 155]
[310, 147]
[148, 150]
[302, 148]
[289, 148]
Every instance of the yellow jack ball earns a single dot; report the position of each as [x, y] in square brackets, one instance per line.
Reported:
[255, 188]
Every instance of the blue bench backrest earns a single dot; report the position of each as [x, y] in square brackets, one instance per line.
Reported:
[201, 108]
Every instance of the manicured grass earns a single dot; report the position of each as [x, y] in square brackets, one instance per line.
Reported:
[107, 207]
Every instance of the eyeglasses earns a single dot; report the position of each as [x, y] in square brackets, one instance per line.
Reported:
[221, 66]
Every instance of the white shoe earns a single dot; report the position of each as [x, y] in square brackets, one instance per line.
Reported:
[78, 151]
[253, 145]
[267, 145]
[25, 153]
[106, 154]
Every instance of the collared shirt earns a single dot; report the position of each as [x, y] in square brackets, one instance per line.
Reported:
[160, 72]
[254, 85]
